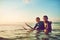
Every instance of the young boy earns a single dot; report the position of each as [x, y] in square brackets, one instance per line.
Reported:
[39, 26]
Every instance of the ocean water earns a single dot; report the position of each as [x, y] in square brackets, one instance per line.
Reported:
[18, 32]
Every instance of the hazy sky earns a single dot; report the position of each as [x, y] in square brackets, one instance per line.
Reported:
[12, 11]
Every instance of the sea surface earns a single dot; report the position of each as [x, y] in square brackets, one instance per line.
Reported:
[21, 32]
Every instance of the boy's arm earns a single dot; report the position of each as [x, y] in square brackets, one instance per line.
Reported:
[31, 27]
[50, 27]
[28, 25]
[35, 26]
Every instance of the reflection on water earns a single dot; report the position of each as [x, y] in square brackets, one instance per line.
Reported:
[21, 34]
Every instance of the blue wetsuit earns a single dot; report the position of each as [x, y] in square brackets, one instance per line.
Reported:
[39, 26]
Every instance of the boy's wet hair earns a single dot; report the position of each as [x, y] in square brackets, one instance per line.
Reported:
[37, 18]
[45, 16]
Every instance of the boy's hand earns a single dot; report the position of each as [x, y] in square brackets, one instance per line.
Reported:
[30, 30]
[45, 31]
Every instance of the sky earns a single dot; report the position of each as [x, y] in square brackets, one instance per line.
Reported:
[13, 11]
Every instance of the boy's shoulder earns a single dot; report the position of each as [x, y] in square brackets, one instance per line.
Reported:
[41, 22]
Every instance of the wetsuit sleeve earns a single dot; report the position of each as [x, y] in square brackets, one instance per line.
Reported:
[35, 26]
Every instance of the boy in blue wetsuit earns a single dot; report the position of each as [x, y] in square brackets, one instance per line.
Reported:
[39, 26]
